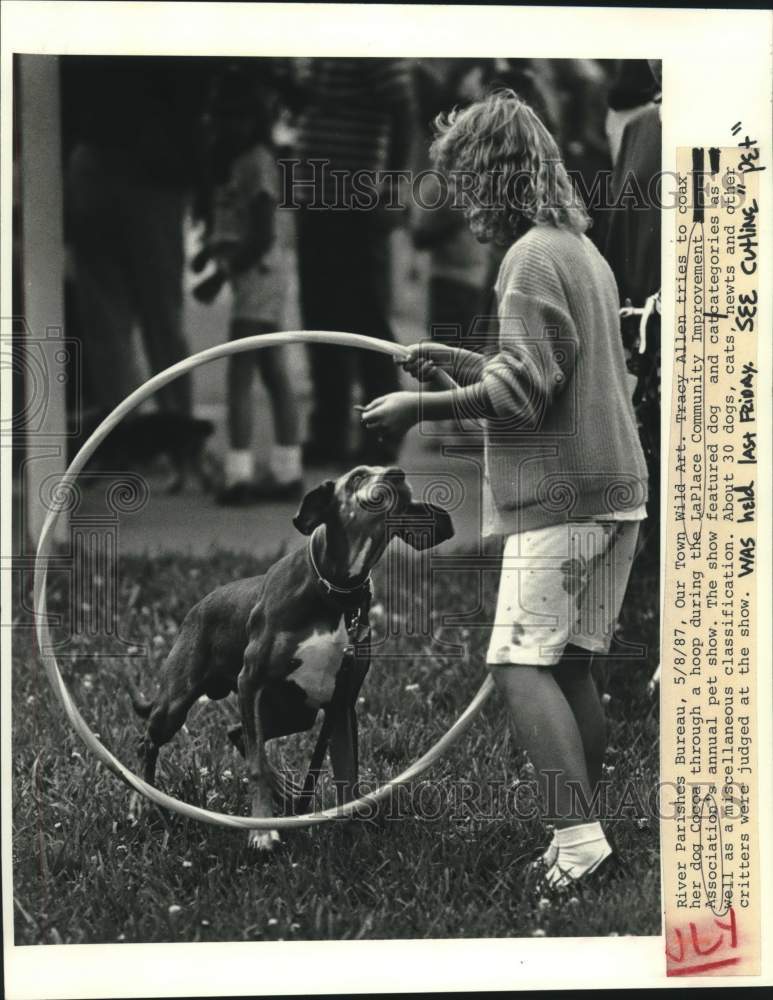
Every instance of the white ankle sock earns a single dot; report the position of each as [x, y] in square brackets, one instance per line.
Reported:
[581, 849]
[285, 463]
[239, 466]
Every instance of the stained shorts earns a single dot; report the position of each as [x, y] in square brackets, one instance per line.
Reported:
[559, 585]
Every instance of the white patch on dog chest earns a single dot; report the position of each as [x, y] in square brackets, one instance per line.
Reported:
[320, 657]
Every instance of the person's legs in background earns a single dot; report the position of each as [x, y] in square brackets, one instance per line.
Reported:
[103, 291]
[370, 306]
[155, 247]
[325, 282]
[285, 472]
[453, 309]
[456, 311]
[240, 378]
[239, 462]
[285, 461]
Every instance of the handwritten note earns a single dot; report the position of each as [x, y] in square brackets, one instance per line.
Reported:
[709, 729]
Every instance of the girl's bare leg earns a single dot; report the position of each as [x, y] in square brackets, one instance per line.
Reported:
[574, 677]
[547, 729]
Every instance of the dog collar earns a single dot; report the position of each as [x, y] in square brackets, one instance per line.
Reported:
[326, 585]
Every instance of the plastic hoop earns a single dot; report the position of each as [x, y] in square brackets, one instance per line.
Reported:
[51, 666]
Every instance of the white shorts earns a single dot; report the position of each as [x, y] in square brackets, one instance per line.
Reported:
[559, 585]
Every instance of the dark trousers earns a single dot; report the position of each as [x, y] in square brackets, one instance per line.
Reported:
[127, 240]
[344, 272]
[453, 309]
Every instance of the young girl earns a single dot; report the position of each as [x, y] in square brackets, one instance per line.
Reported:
[242, 239]
[565, 480]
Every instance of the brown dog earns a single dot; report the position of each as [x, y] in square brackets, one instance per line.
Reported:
[297, 639]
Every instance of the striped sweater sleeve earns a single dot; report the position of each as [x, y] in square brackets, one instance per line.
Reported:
[537, 344]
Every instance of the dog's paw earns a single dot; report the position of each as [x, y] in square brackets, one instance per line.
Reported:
[263, 840]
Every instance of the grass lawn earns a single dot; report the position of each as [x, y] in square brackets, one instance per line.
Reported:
[447, 859]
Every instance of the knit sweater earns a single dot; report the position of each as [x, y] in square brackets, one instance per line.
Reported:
[564, 442]
[358, 118]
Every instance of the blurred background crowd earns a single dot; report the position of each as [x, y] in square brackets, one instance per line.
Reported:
[177, 238]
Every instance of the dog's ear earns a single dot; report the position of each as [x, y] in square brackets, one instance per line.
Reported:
[314, 507]
[425, 525]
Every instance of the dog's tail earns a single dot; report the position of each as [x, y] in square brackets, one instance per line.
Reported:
[142, 706]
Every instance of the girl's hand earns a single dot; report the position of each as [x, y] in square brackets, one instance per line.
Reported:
[392, 415]
[425, 359]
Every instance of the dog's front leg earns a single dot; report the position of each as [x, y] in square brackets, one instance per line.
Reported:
[344, 740]
[258, 769]
[344, 754]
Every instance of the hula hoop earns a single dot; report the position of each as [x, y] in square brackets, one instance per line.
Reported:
[43, 554]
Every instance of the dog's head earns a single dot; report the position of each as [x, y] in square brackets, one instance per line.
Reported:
[363, 509]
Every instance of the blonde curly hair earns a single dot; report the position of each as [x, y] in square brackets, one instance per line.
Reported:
[509, 167]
